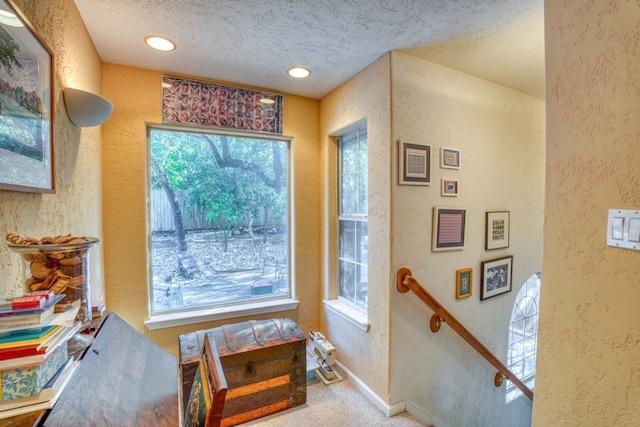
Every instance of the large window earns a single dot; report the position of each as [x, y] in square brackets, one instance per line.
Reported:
[523, 336]
[218, 217]
[352, 219]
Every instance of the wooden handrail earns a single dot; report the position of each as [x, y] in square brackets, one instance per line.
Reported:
[405, 282]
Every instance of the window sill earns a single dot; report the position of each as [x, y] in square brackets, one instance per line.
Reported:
[348, 313]
[219, 313]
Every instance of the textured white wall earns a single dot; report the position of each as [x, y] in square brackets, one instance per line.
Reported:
[77, 204]
[588, 357]
[366, 96]
[500, 133]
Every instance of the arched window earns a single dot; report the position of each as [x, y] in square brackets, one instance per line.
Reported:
[523, 336]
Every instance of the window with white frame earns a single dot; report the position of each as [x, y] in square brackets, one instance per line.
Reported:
[218, 219]
[523, 336]
[352, 219]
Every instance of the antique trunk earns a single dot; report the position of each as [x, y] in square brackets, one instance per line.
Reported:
[263, 364]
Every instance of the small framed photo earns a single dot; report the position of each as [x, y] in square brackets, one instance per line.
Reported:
[448, 228]
[414, 164]
[449, 158]
[464, 283]
[496, 277]
[448, 188]
[497, 233]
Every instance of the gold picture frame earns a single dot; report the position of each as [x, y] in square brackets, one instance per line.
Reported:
[464, 283]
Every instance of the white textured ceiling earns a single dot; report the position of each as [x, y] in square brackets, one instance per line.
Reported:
[255, 42]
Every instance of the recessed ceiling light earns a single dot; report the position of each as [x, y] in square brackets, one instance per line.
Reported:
[299, 72]
[160, 43]
[10, 19]
[267, 101]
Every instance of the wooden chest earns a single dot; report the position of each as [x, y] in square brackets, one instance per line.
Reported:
[262, 363]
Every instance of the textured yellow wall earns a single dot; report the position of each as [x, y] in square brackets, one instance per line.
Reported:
[588, 350]
[136, 95]
[76, 205]
[365, 96]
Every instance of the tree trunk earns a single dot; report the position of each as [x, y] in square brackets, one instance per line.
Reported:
[181, 241]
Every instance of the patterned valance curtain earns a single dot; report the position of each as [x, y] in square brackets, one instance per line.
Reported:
[192, 102]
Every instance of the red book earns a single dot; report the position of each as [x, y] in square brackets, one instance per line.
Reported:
[26, 302]
[46, 294]
[59, 335]
[29, 350]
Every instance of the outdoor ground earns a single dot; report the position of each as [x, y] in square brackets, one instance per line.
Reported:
[236, 268]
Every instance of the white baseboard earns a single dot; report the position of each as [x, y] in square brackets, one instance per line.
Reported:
[388, 410]
[422, 416]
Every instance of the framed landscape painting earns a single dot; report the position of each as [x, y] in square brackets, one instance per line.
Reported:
[26, 106]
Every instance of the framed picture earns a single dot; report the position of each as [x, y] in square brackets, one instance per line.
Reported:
[449, 158]
[448, 187]
[414, 164]
[496, 277]
[448, 228]
[497, 233]
[464, 283]
[26, 106]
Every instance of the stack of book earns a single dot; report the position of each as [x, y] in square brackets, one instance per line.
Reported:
[34, 362]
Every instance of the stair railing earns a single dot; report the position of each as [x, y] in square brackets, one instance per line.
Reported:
[405, 282]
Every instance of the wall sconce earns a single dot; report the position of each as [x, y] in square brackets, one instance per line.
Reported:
[86, 109]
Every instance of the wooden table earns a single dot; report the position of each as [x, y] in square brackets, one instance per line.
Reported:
[124, 379]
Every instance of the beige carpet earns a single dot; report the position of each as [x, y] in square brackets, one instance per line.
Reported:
[338, 404]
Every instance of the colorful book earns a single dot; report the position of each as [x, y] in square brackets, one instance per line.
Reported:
[39, 340]
[39, 358]
[31, 349]
[13, 353]
[25, 334]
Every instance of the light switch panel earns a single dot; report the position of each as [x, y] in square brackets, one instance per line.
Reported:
[623, 229]
[634, 229]
[617, 226]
